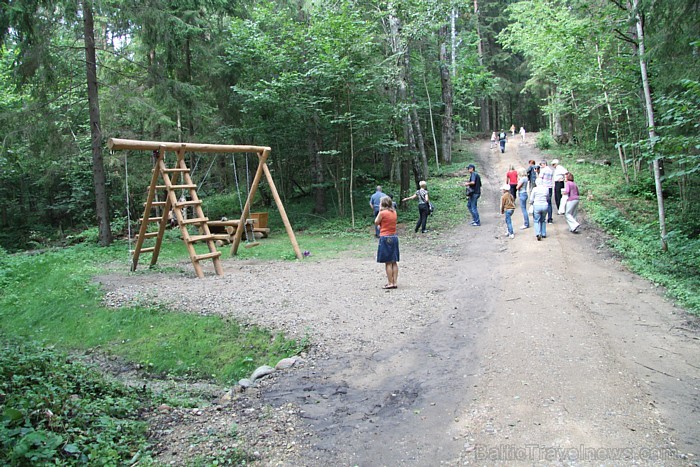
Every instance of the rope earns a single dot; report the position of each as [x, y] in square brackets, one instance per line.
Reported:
[238, 192]
[204, 179]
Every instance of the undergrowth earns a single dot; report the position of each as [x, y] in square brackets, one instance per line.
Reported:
[58, 412]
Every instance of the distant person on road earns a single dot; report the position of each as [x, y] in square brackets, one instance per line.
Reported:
[559, 181]
[522, 133]
[502, 136]
[522, 198]
[493, 140]
[388, 249]
[546, 176]
[512, 180]
[538, 199]
[423, 206]
[571, 190]
[512, 130]
[374, 202]
[473, 193]
[508, 208]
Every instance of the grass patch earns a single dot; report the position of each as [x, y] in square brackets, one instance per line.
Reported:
[48, 298]
[629, 214]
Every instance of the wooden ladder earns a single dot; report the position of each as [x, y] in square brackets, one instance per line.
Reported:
[173, 179]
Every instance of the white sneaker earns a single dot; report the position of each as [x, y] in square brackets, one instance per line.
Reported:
[511, 236]
[523, 227]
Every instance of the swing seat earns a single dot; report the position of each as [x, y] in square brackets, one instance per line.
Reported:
[252, 244]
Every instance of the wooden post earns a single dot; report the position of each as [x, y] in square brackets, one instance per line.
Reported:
[283, 213]
[147, 211]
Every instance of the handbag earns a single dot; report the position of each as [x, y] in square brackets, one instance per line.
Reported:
[431, 208]
[562, 204]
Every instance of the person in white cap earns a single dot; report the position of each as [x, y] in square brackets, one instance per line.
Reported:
[559, 178]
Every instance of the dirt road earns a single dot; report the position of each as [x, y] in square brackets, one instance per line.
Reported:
[539, 351]
[491, 351]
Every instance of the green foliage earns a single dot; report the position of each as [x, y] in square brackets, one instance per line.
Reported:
[58, 411]
[544, 140]
[679, 130]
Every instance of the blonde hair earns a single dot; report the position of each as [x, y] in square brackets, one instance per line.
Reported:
[386, 203]
[422, 184]
[522, 172]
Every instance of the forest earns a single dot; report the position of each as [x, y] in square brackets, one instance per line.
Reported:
[348, 94]
[344, 92]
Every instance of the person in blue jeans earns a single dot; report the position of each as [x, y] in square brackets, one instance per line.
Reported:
[502, 137]
[473, 193]
[374, 202]
[539, 199]
[522, 197]
[508, 208]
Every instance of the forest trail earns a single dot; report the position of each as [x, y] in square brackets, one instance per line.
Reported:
[491, 351]
[540, 351]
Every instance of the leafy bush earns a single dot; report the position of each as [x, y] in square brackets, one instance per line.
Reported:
[544, 140]
[59, 412]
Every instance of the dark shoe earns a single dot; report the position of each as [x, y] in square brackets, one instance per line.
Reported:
[550, 221]
[539, 237]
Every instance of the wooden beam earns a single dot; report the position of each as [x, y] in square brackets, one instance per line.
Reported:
[136, 145]
[283, 213]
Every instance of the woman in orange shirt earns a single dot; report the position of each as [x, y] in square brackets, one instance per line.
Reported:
[388, 250]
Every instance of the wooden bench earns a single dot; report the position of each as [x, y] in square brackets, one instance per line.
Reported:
[225, 230]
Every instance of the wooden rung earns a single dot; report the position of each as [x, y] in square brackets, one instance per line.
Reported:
[201, 238]
[152, 219]
[176, 187]
[143, 250]
[156, 203]
[213, 254]
[149, 235]
[195, 220]
[188, 203]
[176, 169]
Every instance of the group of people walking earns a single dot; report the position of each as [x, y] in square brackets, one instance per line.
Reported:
[544, 189]
[540, 190]
[502, 137]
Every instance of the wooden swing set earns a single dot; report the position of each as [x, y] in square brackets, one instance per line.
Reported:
[178, 177]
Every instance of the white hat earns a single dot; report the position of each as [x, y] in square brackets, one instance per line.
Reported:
[555, 161]
[505, 187]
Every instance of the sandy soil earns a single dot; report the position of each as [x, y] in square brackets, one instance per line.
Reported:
[491, 351]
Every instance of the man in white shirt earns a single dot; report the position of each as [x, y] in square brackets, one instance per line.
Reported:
[547, 178]
[559, 177]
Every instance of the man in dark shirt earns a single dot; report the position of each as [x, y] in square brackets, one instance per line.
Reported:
[473, 194]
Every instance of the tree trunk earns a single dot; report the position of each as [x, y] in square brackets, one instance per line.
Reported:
[613, 121]
[316, 163]
[650, 121]
[484, 124]
[557, 127]
[419, 140]
[446, 81]
[98, 171]
[400, 51]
